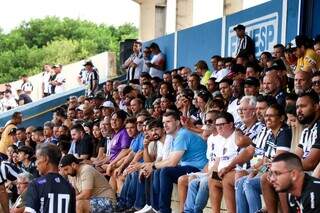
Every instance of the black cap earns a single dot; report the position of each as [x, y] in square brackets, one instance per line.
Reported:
[12, 131]
[252, 81]
[239, 27]
[68, 160]
[154, 45]
[89, 62]
[277, 65]
[26, 149]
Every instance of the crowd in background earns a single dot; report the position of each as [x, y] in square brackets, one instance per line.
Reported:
[226, 131]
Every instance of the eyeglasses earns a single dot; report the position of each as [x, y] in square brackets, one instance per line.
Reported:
[275, 174]
[209, 121]
[315, 82]
[221, 124]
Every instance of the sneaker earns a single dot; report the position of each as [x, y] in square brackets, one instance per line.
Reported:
[146, 208]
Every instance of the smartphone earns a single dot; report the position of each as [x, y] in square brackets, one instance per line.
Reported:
[215, 176]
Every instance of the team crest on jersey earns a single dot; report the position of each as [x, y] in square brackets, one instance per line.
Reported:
[57, 179]
[42, 181]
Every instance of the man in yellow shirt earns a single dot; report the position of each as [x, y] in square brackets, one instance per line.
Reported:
[203, 71]
[308, 60]
[6, 138]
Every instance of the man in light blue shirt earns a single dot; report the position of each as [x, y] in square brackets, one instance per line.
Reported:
[188, 154]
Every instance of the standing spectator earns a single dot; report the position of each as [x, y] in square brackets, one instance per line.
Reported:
[157, 63]
[92, 79]
[134, 64]
[94, 194]
[51, 192]
[6, 139]
[26, 85]
[45, 86]
[58, 81]
[146, 59]
[287, 175]
[245, 43]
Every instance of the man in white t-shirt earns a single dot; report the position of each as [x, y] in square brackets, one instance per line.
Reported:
[227, 151]
[59, 81]
[45, 81]
[157, 63]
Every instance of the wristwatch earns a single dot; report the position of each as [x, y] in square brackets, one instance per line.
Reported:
[154, 166]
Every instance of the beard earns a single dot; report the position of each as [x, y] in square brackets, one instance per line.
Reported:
[73, 173]
[306, 119]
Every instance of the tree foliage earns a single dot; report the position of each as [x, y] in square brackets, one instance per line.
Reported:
[53, 40]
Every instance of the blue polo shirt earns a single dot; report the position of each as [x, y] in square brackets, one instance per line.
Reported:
[137, 143]
[194, 148]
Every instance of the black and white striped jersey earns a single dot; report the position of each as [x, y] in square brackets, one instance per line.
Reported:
[310, 138]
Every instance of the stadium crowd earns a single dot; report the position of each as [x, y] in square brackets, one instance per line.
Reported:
[243, 129]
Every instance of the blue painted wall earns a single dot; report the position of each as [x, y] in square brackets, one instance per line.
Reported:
[166, 44]
[199, 43]
[264, 24]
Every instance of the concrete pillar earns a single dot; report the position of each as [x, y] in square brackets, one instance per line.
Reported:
[232, 6]
[184, 14]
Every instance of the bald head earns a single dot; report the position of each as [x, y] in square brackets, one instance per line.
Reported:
[271, 83]
[302, 82]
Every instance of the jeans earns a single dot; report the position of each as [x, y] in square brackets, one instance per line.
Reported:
[248, 193]
[155, 189]
[198, 194]
[132, 192]
[168, 176]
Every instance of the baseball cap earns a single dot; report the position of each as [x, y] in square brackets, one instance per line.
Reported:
[80, 107]
[252, 81]
[107, 104]
[239, 27]
[68, 160]
[88, 62]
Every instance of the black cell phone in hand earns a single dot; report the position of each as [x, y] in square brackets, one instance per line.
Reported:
[215, 176]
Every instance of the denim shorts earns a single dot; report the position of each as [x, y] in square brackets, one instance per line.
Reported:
[100, 205]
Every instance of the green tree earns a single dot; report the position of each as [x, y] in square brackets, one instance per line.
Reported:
[53, 40]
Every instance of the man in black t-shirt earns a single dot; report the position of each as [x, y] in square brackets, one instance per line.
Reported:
[51, 192]
[287, 175]
[83, 142]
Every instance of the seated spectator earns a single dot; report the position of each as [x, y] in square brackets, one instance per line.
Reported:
[302, 82]
[48, 133]
[187, 148]
[81, 145]
[316, 83]
[8, 101]
[23, 181]
[37, 135]
[23, 98]
[203, 71]
[94, 194]
[287, 175]
[27, 164]
[21, 136]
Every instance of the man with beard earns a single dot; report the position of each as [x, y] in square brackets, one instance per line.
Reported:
[94, 194]
[302, 82]
[287, 175]
[309, 145]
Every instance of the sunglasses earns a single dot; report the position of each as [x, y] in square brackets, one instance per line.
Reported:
[315, 82]
[209, 121]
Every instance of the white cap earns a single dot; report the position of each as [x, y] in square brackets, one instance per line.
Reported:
[108, 104]
[80, 107]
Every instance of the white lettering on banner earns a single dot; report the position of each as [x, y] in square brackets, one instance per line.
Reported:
[263, 30]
